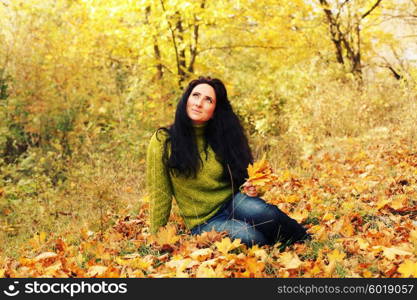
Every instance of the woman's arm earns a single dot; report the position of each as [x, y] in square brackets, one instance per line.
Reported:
[158, 183]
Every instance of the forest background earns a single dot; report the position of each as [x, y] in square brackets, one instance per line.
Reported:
[325, 88]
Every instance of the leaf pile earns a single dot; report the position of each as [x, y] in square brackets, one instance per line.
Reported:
[358, 198]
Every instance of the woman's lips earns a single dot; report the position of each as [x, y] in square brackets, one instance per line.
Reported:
[199, 112]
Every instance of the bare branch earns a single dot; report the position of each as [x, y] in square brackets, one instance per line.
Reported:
[344, 3]
[371, 9]
[174, 41]
[193, 49]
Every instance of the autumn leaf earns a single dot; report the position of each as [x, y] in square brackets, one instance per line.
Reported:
[363, 244]
[226, 245]
[290, 260]
[201, 254]
[45, 255]
[328, 217]
[180, 265]
[292, 199]
[413, 235]
[299, 215]
[136, 262]
[209, 237]
[391, 252]
[206, 272]
[336, 256]
[258, 252]
[261, 176]
[96, 270]
[166, 236]
[347, 229]
[38, 240]
[398, 202]
[408, 268]
[52, 270]
[253, 266]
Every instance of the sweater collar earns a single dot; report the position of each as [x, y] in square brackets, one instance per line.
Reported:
[199, 129]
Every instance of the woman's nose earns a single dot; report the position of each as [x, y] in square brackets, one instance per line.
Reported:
[198, 102]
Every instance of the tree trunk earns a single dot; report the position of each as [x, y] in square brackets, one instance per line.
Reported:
[157, 52]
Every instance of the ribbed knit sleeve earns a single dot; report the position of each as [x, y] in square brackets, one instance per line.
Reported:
[158, 183]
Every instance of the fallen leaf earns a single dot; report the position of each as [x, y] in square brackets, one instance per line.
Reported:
[227, 245]
[166, 236]
[408, 268]
[96, 270]
[391, 252]
[290, 260]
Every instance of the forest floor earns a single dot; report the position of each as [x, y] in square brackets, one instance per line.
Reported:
[357, 197]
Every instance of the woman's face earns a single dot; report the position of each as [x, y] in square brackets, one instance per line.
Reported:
[201, 103]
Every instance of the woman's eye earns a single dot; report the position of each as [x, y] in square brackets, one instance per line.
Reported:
[195, 95]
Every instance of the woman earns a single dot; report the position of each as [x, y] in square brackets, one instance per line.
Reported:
[202, 161]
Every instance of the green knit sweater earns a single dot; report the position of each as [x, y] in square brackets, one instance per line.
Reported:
[198, 198]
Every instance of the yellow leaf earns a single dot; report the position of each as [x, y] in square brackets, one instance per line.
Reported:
[413, 235]
[315, 270]
[136, 263]
[96, 270]
[363, 244]
[180, 265]
[52, 269]
[42, 237]
[260, 174]
[166, 235]
[391, 252]
[257, 167]
[398, 202]
[328, 216]
[367, 274]
[45, 255]
[381, 203]
[408, 268]
[290, 260]
[347, 229]
[316, 200]
[226, 245]
[38, 240]
[319, 232]
[299, 215]
[285, 176]
[205, 272]
[292, 199]
[336, 256]
[348, 206]
[201, 254]
[258, 252]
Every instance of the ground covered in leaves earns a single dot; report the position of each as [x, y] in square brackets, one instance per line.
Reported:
[357, 197]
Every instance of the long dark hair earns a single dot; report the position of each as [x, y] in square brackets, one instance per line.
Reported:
[223, 133]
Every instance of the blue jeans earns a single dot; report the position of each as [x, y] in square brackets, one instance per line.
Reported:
[253, 221]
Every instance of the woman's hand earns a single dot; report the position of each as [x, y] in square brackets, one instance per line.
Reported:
[250, 189]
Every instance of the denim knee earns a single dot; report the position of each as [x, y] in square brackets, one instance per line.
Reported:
[274, 224]
[248, 234]
[254, 211]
